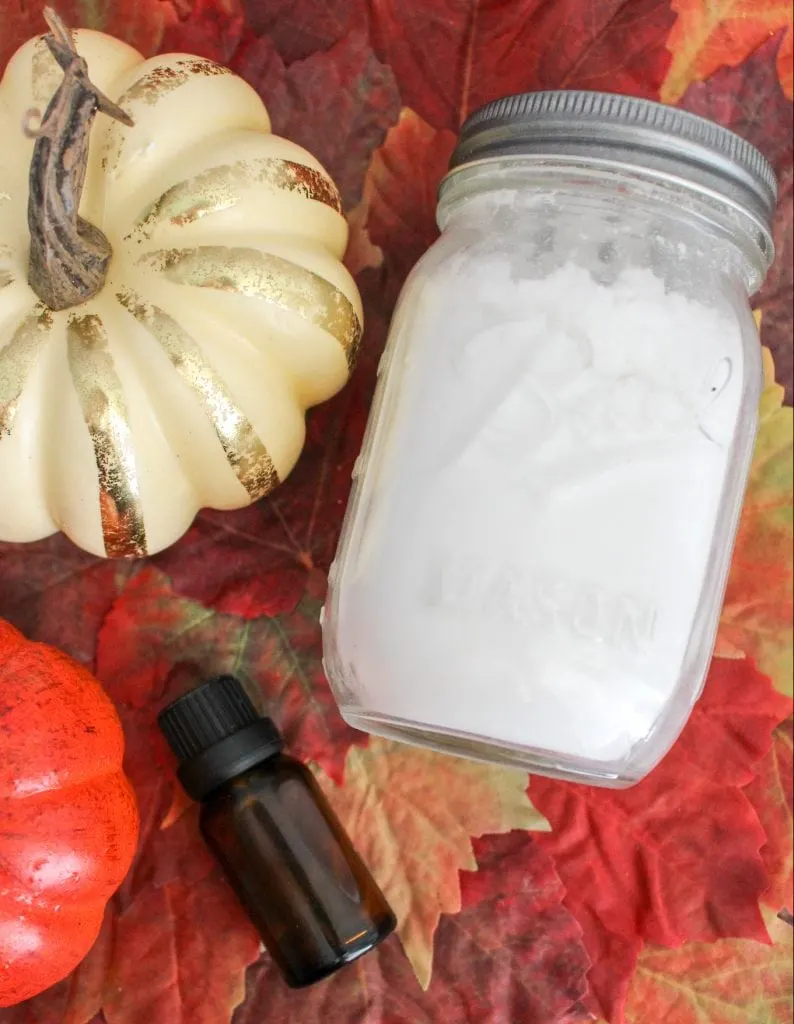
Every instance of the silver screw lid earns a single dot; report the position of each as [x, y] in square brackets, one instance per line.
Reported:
[623, 130]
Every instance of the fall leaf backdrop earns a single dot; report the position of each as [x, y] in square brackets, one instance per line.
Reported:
[520, 903]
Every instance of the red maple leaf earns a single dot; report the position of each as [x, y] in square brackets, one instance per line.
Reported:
[750, 100]
[22, 19]
[511, 918]
[55, 593]
[338, 104]
[776, 298]
[209, 28]
[675, 858]
[771, 795]
[401, 192]
[513, 953]
[181, 950]
[154, 645]
[705, 38]
[167, 964]
[300, 29]
[452, 56]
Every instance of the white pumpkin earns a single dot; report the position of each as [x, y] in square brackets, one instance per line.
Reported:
[224, 314]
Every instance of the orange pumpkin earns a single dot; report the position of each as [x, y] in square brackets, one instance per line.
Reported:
[68, 818]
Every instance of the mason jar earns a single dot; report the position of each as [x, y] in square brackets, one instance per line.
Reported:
[539, 533]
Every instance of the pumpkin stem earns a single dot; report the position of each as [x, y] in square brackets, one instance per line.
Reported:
[68, 256]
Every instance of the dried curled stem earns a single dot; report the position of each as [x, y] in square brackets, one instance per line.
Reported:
[68, 256]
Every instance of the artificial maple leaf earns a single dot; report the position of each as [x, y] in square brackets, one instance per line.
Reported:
[150, 632]
[241, 563]
[379, 988]
[166, 964]
[150, 766]
[299, 30]
[55, 593]
[676, 857]
[750, 101]
[614, 961]
[453, 56]
[400, 191]
[523, 956]
[212, 29]
[736, 695]
[411, 814]
[757, 614]
[785, 63]
[337, 104]
[776, 299]
[84, 986]
[147, 632]
[732, 981]
[170, 969]
[771, 795]
[180, 955]
[708, 35]
[142, 27]
[512, 920]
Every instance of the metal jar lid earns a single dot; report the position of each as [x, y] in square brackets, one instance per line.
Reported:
[622, 130]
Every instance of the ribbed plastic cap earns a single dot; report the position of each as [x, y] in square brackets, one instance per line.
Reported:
[622, 130]
[216, 733]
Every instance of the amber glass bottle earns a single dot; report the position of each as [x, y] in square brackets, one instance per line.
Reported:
[268, 823]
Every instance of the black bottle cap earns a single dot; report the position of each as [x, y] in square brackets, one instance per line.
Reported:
[216, 733]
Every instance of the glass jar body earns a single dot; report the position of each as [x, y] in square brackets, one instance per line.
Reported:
[538, 539]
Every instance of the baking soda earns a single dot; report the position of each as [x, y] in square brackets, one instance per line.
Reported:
[539, 517]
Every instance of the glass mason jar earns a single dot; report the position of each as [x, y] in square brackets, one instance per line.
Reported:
[542, 518]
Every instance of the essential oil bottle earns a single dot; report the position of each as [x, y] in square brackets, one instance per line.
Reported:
[271, 828]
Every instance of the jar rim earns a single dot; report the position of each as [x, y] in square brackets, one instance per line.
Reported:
[624, 131]
[554, 177]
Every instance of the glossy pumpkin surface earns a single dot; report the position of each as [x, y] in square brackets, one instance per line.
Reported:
[68, 817]
[226, 311]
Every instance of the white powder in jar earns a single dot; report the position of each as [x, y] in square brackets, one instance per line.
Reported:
[537, 525]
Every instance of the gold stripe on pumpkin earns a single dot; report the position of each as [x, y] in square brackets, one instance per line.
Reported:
[244, 451]
[158, 82]
[220, 188]
[149, 89]
[265, 276]
[101, 398]
[18, 358]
